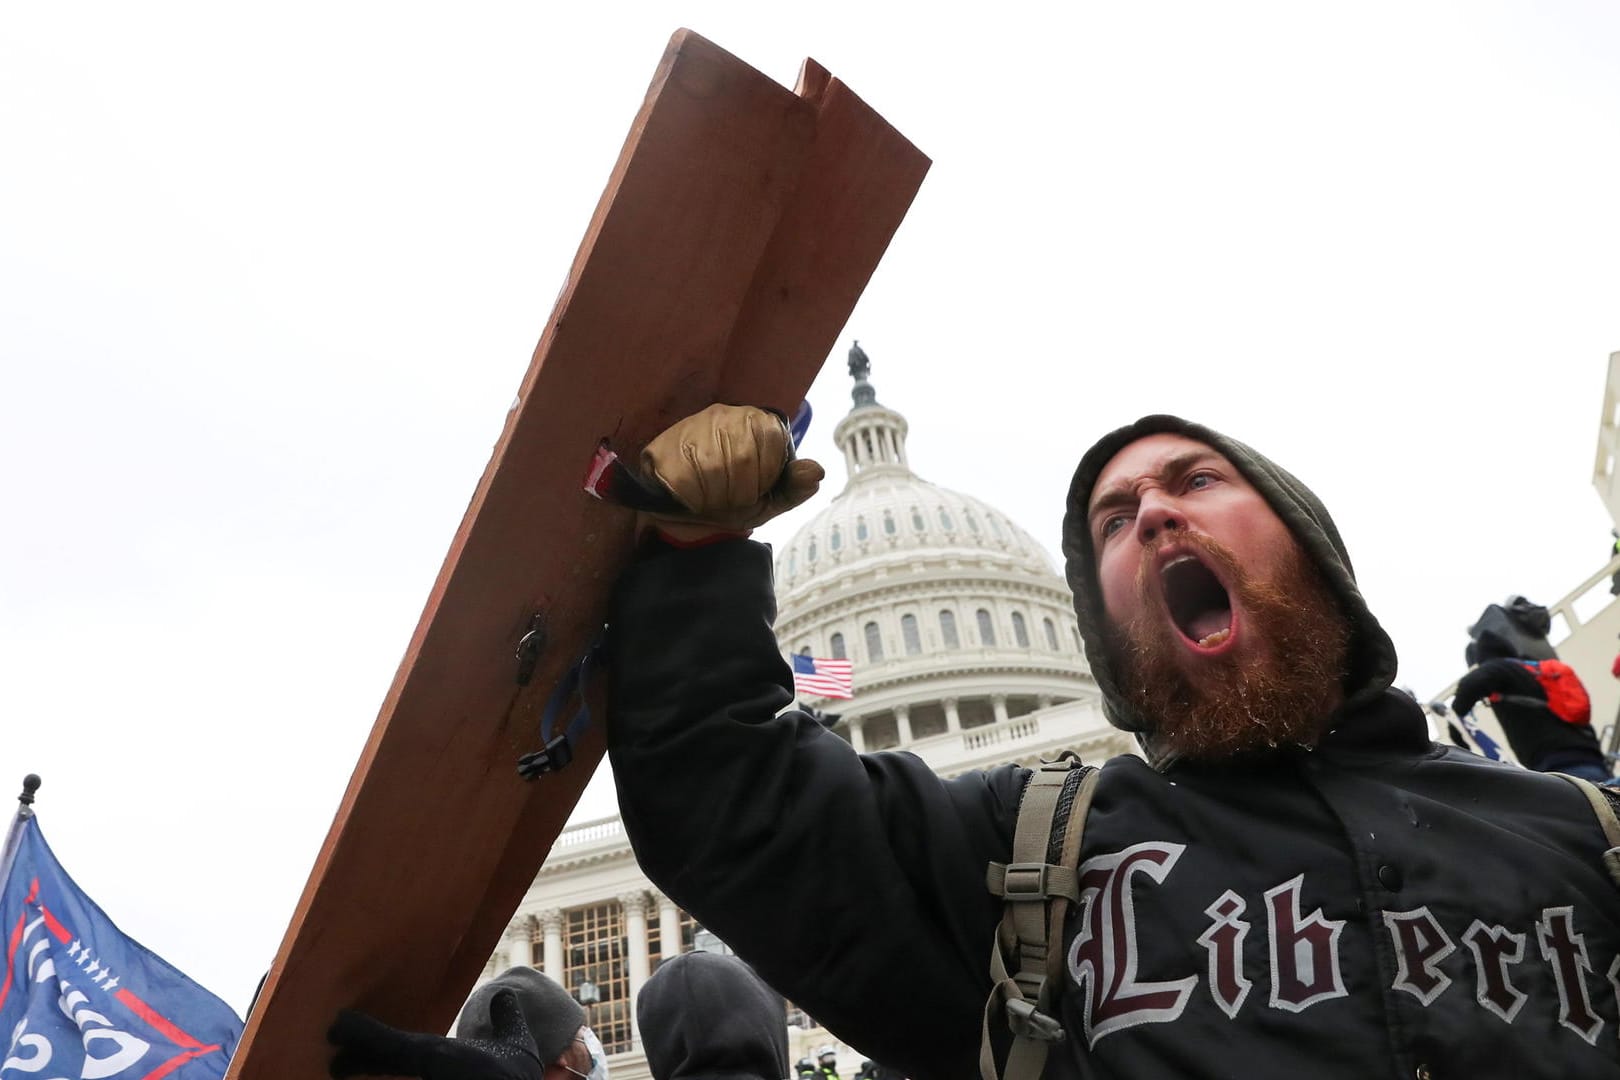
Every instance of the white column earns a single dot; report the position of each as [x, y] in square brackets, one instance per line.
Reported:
[999, 704]
[669, 926]
[551, 922]
[520, 942]
[1044, 701]
[902, 723]
[857, 737]
[635, 932]
[953, 719]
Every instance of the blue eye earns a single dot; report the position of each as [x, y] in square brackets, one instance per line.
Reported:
[1112, 525]
[1199, 481]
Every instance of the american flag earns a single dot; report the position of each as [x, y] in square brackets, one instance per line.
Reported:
[820, 677]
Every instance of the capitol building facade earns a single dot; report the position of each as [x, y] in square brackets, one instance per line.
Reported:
[961, 635]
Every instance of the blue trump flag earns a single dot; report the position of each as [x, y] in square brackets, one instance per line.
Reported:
[80, 999]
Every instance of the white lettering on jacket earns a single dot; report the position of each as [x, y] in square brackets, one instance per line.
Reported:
[1565, 950]
[1494, 948]
[1224, 943]
[1304, 951]
[1420, 945]
[1614, 980]
[1103, 956]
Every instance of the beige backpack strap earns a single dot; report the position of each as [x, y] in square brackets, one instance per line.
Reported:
[1603, 807]
[1037, 886]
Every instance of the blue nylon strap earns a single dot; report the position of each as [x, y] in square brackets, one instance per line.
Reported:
[558, 750]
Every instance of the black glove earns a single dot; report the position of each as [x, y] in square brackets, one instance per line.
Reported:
[1496, 677]
[369, 1047]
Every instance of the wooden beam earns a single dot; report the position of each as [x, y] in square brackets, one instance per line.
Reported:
[737, 229]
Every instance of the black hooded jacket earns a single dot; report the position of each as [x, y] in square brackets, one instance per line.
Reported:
[1379, 906]
[706, 1017]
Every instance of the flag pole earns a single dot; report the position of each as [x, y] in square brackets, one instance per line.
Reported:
[31, 784]
[25, 810]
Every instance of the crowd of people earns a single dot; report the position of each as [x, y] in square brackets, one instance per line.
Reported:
[702, 1016]
[1292, 879]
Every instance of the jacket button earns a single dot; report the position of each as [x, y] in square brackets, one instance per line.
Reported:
[1390, 877]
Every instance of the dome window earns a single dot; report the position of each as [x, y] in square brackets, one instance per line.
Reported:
[810, 552]
[861, 531]
[1051, 634]
[874, 642]
[972, 522]
[836, 540]
[1020, 630]
[909, 635]
[947, 630]
[917, 520]
[945, 521]
[888, 523]
[987, 629]
[837, 644]
[995, 527]
[793, 563]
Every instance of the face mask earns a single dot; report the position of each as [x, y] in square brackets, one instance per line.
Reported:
[599, 1069]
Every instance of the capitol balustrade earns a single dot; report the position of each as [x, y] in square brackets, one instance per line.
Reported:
[1028, 727]
[1067, 725]
[602, 832]
[989, 658]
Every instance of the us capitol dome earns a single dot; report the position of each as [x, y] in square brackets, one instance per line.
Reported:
[964, 652]
[959, 629]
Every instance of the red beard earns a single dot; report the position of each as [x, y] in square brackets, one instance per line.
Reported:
[1277, 689]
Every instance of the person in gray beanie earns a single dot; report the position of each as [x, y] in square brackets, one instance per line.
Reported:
[521, 1025]
[1292, 880]
[708, 1017]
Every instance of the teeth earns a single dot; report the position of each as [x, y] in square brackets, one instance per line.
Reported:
[1216, 638]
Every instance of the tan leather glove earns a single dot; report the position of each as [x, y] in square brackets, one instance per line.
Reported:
[732, 466]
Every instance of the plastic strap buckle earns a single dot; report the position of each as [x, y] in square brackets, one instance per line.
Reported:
[1025, 881]
[556, 755]
[1030, 1023]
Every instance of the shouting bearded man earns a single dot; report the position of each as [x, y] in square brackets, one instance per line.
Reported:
[1294, 882]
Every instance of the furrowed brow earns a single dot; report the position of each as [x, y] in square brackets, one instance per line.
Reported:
[1113, 499]
[1122, 493]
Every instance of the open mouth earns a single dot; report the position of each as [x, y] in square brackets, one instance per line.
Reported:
[1198, 603]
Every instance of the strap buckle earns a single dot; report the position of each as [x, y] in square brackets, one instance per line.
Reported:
[1030, 1023]
[1025, 881]
[556, 755]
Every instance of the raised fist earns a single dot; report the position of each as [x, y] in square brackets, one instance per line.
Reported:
[732, 467]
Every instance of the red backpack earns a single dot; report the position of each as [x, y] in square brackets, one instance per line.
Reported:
[1566, 697]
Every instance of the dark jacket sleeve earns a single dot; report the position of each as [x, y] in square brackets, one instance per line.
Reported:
[853, 883]
[1496, 676]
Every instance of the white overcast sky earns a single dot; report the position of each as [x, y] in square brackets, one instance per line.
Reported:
[270, 275]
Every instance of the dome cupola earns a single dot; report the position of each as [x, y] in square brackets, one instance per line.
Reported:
[959, 628]
[872, 437]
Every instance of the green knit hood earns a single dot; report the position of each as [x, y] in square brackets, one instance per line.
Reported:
[1372, 658]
